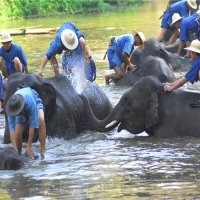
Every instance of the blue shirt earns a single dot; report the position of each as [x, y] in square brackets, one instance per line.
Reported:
[178, 7]
[8, 56]
[188, 25]
[192, 74]
[30, 110]
[122, 44]
[56, 46]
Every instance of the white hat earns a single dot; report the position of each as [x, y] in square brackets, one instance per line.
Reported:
[141, 35]
[5, 37]
[175, 17]
[194, 46]
[192, 3]
[69, 39]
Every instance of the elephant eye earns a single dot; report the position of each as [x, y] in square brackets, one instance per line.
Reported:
[125, 100]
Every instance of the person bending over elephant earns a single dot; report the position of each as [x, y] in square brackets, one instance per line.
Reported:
[182, 8]
[194, 72]
[25, 105]
[119, 52]
[69, 41]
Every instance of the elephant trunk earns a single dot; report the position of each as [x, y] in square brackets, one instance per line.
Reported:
[103, 125]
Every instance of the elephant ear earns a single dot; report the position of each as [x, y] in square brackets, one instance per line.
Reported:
[151, 113]
[48, 95]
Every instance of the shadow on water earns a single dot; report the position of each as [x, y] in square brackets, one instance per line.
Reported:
[105, 165]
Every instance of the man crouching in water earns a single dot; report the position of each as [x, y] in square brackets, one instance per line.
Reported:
[119, 52]
[25, 105]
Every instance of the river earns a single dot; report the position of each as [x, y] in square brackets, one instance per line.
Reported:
[103, 165]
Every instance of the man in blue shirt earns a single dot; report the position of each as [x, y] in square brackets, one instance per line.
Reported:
[69, 41]
[193, 74]
[12, 57]
[188, 26]
[26, 106]
[119, 52]
[182, 8]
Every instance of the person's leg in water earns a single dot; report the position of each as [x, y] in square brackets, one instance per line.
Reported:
[114, 76]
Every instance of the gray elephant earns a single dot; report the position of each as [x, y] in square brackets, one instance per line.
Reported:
[154, 48]
[151, 65]
[64, 110]
[146, 107]
[10, 160]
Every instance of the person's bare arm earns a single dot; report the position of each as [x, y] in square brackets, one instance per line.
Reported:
[42, 65]
[29, 144]
[181, 45]
[174, 85]
[83, 48]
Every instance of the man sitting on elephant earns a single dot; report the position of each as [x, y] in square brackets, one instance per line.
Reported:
[119, 52]
[193, 74]
[69, 41]
[25, 105]
[182, 8]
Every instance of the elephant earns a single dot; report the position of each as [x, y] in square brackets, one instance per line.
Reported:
[11, 160]
[154, 48]
[64, 110]
[146, 107]
[151, 65]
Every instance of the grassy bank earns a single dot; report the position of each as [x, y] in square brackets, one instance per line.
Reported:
[44, 8]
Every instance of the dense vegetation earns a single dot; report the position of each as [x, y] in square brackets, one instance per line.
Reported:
[41, 8]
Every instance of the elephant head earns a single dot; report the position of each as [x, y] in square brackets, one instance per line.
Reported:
[132, 113]
[154, 48]
[151, 65]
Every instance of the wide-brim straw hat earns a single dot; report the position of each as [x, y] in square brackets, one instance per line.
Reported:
[15, 104]
[69, 39]
[141, 35]
[175, 18]
[5, 37]
[194, 46]
[192, 3]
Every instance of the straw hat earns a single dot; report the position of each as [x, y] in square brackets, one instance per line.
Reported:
[15, 104]
[141, 35]
[5, 37]
[175, 17]
[194, 46]
[192, 3]
[69, 39]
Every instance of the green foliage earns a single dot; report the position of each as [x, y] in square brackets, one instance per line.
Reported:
[41, 8]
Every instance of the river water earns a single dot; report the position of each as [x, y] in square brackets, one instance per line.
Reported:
[104, 165]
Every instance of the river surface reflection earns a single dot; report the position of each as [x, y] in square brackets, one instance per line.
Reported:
[111, 165]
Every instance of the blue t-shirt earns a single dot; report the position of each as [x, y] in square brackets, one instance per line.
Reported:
[189, 25]
[8, 56]
[122, 44]
[193, 73]
[56, 46]
[178, 7]
[30, 111]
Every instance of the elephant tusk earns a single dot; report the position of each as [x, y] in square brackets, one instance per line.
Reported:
[111, 124]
